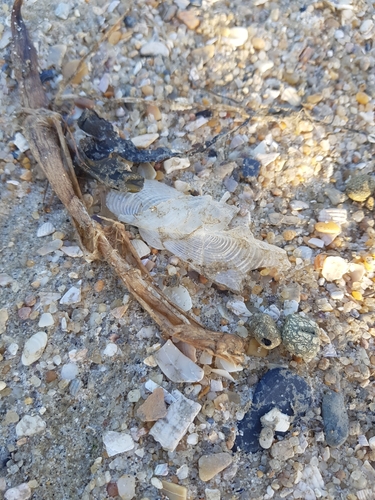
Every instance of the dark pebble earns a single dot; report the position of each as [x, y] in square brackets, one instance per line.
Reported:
[205, 113]
[130, 21]
[211, 153]
[278, 388]
[335, 419]
[47, 75]
[250, 168]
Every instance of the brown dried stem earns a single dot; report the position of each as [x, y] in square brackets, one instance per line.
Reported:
[44, 133]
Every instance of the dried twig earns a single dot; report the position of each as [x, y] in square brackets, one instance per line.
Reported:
[44, 133]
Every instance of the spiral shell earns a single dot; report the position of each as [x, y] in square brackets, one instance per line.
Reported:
[196, 229]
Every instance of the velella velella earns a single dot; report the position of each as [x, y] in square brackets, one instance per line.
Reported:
[197, 230]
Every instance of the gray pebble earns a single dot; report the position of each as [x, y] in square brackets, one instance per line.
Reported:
[335, 418]
[300, 336]
[264, 329]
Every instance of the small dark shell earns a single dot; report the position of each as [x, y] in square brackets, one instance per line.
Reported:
[264, 329]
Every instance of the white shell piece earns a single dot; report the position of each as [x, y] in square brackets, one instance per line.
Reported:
[34, 348]
[228, 366]
[238, 308]
[176, 164]
[45, 229]
[73, 251]
[117, 442]
[362, 440]
[277, 420]
[334, 268]
[169, 431]
[143, 141]
[195, 125]
[179, 296]
[20, 142]
[176, 366]
[311, 485]
[317, 242]
[195, 229]
[141, 248]
[329, 351]
[161, 470]
[223, 373]
[235, 36]
[338, 215]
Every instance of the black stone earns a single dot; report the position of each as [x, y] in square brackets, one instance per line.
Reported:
[130, 21]
[279, 388]
[250, 168]
[47, 75]
[335, 419]
[205, 113]
[211, 153]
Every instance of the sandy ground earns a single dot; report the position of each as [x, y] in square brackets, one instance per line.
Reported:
[319, 55]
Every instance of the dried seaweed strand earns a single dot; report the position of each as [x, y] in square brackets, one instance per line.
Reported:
[43, 131]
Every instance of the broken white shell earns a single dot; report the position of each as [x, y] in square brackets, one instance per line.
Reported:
[169, 431]
[141, 248]
[196, 229]
[45, 229]
[180, 296]
[338, 215]
[34, 348]
[366, 494]
[176, 366]
[280, 422]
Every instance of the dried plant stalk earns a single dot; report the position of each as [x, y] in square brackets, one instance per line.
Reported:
[43, 131]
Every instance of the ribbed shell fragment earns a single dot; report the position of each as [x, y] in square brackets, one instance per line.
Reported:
[197, 230]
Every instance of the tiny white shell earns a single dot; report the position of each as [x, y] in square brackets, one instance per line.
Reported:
[34, 348]
[141, 248]
[338, 215]
[45, 229]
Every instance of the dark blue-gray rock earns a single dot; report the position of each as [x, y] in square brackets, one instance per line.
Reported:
[279, 388]
[130, 21]
[335, 419]
[300, 336]
[250, 168]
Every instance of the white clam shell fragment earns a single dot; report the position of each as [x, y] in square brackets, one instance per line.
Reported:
[45, 229]
[176, 366]
[34, 348]
[338, 215]
[196, 230]
[169, 431]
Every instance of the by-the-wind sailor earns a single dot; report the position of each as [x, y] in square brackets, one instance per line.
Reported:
[197, 230]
